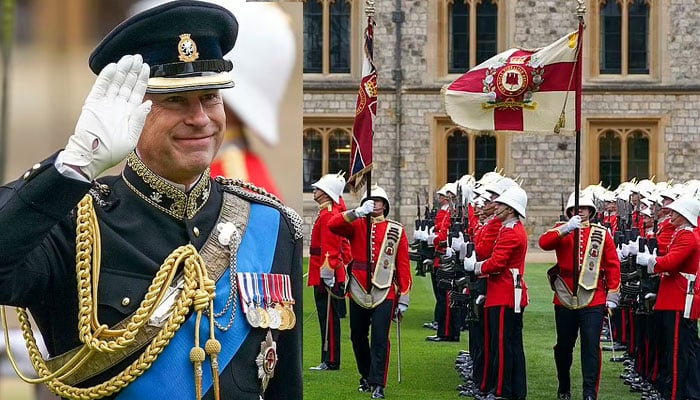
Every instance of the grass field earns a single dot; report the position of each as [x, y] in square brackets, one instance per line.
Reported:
[428, 368]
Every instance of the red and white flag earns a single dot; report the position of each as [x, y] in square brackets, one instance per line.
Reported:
[520, 90]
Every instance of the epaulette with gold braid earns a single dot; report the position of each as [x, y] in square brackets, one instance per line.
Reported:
[257, 194]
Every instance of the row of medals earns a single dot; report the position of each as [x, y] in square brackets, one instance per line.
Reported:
[275, 316]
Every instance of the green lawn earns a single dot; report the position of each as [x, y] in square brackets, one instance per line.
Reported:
[428, 368]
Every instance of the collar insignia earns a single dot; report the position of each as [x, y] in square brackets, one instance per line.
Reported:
[162, 194]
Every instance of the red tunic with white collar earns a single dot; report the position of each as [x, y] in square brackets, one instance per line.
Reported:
[326, 248]
[683, 256]
[356, 232]
[609, 274]
[508, 252]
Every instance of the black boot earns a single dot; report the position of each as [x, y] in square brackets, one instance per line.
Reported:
[378, 392]
[364, 386]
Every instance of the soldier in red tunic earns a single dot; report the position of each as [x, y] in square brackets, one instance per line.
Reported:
[506, 297]
[448, 321]
[390, 276]
[677, 302]
[597, 287]
[327, 267]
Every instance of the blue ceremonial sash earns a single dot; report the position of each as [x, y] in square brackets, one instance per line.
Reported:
[171, 377]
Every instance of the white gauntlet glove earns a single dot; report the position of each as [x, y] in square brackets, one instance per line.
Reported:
[457, 242]
[470, 263]
[431, 237]
[574, 223]
[112, 118]
[365, 209]
[633, 246]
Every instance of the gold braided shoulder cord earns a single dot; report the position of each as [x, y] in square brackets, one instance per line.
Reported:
[198, 289]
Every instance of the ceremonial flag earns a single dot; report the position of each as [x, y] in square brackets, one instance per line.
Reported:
[365, 111]
[521, 90]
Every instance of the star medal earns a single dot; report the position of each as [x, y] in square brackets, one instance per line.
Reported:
[267, 360]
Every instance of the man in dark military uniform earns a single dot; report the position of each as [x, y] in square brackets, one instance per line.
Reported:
[187, 284]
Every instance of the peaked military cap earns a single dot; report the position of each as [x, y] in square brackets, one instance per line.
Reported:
[183, 42]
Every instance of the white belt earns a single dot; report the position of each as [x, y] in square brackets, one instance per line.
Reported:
[517, 289]
[690, 290]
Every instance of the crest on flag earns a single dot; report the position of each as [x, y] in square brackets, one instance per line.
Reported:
[365, 111]
[519, 90]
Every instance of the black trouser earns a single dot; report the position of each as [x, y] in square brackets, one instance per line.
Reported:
[476, 346]
[590, 323]
[372, 358]
[679, 373]
[438, 310]
[331, 356]
[506, 372]
[449, 319]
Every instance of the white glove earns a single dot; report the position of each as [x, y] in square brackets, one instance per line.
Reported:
[620, 255]
[431, 236]
[329, 281]
[449, 252]
[401, 308]
[643, 258]
[365, 209]
[480, 299]
[470, 263]
[610, 305]
[650, 296]
[625, 250]
[634, 246]
[419, 234]
[574, 223]
[647, 260]
[457, 242]
[112, 118]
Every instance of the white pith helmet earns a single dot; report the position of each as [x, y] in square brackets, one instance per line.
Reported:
[500, 186]
[645, 187]
[332, 185]
[449, 187]
[608, 196]
[377, 192]
[514, 197]
[585, 199]
[486, 179]
[263, 60]
[687, 206]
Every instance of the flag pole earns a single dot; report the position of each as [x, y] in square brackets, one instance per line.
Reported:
[580, 12]
[369, 10]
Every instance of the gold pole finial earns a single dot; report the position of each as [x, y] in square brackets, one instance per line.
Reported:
[369, 10]
[581, 9]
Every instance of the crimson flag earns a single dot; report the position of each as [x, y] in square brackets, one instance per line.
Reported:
[365, 111]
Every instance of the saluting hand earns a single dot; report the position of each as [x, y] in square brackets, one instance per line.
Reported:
[112, 117]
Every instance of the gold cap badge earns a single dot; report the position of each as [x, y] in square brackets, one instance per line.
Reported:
[187, 48]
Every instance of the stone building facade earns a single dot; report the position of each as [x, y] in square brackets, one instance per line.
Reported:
[657, 108]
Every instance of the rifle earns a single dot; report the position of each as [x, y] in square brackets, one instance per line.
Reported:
[562, 216]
